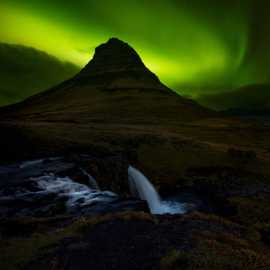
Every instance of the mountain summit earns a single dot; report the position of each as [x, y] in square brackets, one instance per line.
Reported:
[114, 56]
[116, 60]
[115, 87]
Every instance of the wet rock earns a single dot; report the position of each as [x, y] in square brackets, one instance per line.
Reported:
[18, 174]
[118, 205]
[109, 171]
[32, 204]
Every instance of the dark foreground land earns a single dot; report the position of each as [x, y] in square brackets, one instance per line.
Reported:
[225, 164]
[133, 240]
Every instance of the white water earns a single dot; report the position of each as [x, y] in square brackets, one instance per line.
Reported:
[92, 181]
[77, 194]
[31, 163]
[141, 187]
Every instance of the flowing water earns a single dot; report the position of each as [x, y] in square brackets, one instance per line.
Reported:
[92, 181]
[30, 184]
[141, 187]
[77, 194]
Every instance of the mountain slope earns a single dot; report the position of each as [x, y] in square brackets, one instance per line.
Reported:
[114, 87]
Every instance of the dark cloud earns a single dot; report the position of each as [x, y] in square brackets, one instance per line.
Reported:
[250, 98]
[25, 71]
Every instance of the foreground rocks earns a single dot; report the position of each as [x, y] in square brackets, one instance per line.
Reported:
[232, 232]
[132, 241]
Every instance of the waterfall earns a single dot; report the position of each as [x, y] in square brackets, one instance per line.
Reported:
[141, 187]
[92, 181]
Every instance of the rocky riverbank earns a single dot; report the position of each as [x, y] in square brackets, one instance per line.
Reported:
[228, 228]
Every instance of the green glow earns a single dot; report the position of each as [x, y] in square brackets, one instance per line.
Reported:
[182, 45]
[43, 34]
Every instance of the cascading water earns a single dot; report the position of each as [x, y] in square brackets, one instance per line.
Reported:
[141, 187]
[77, 194]
[92, 181]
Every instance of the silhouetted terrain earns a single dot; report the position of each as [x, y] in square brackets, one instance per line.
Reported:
[113, 113]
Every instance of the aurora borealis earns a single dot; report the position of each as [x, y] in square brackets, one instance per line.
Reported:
[194, 46]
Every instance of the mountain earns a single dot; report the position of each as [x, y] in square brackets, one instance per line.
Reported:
[114, 87]
[34, 71]
[251, 99]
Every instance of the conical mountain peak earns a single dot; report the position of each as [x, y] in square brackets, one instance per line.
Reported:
[118, 52]
[116, 59]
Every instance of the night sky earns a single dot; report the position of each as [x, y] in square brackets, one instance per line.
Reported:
[194, 46]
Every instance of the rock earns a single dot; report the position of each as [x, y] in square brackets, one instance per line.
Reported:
[16, 175]
[109, 171]
[119, 205]
[136, 240]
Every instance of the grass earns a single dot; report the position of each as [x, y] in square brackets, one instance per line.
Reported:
[212, 255]
[251, 210]
[16, 252]
[220, 245]
[217, 252]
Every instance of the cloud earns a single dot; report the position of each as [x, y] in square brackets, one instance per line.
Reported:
[25, 71]
[250, 98]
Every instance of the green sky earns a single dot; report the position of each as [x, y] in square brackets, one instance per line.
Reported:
[193, 46]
